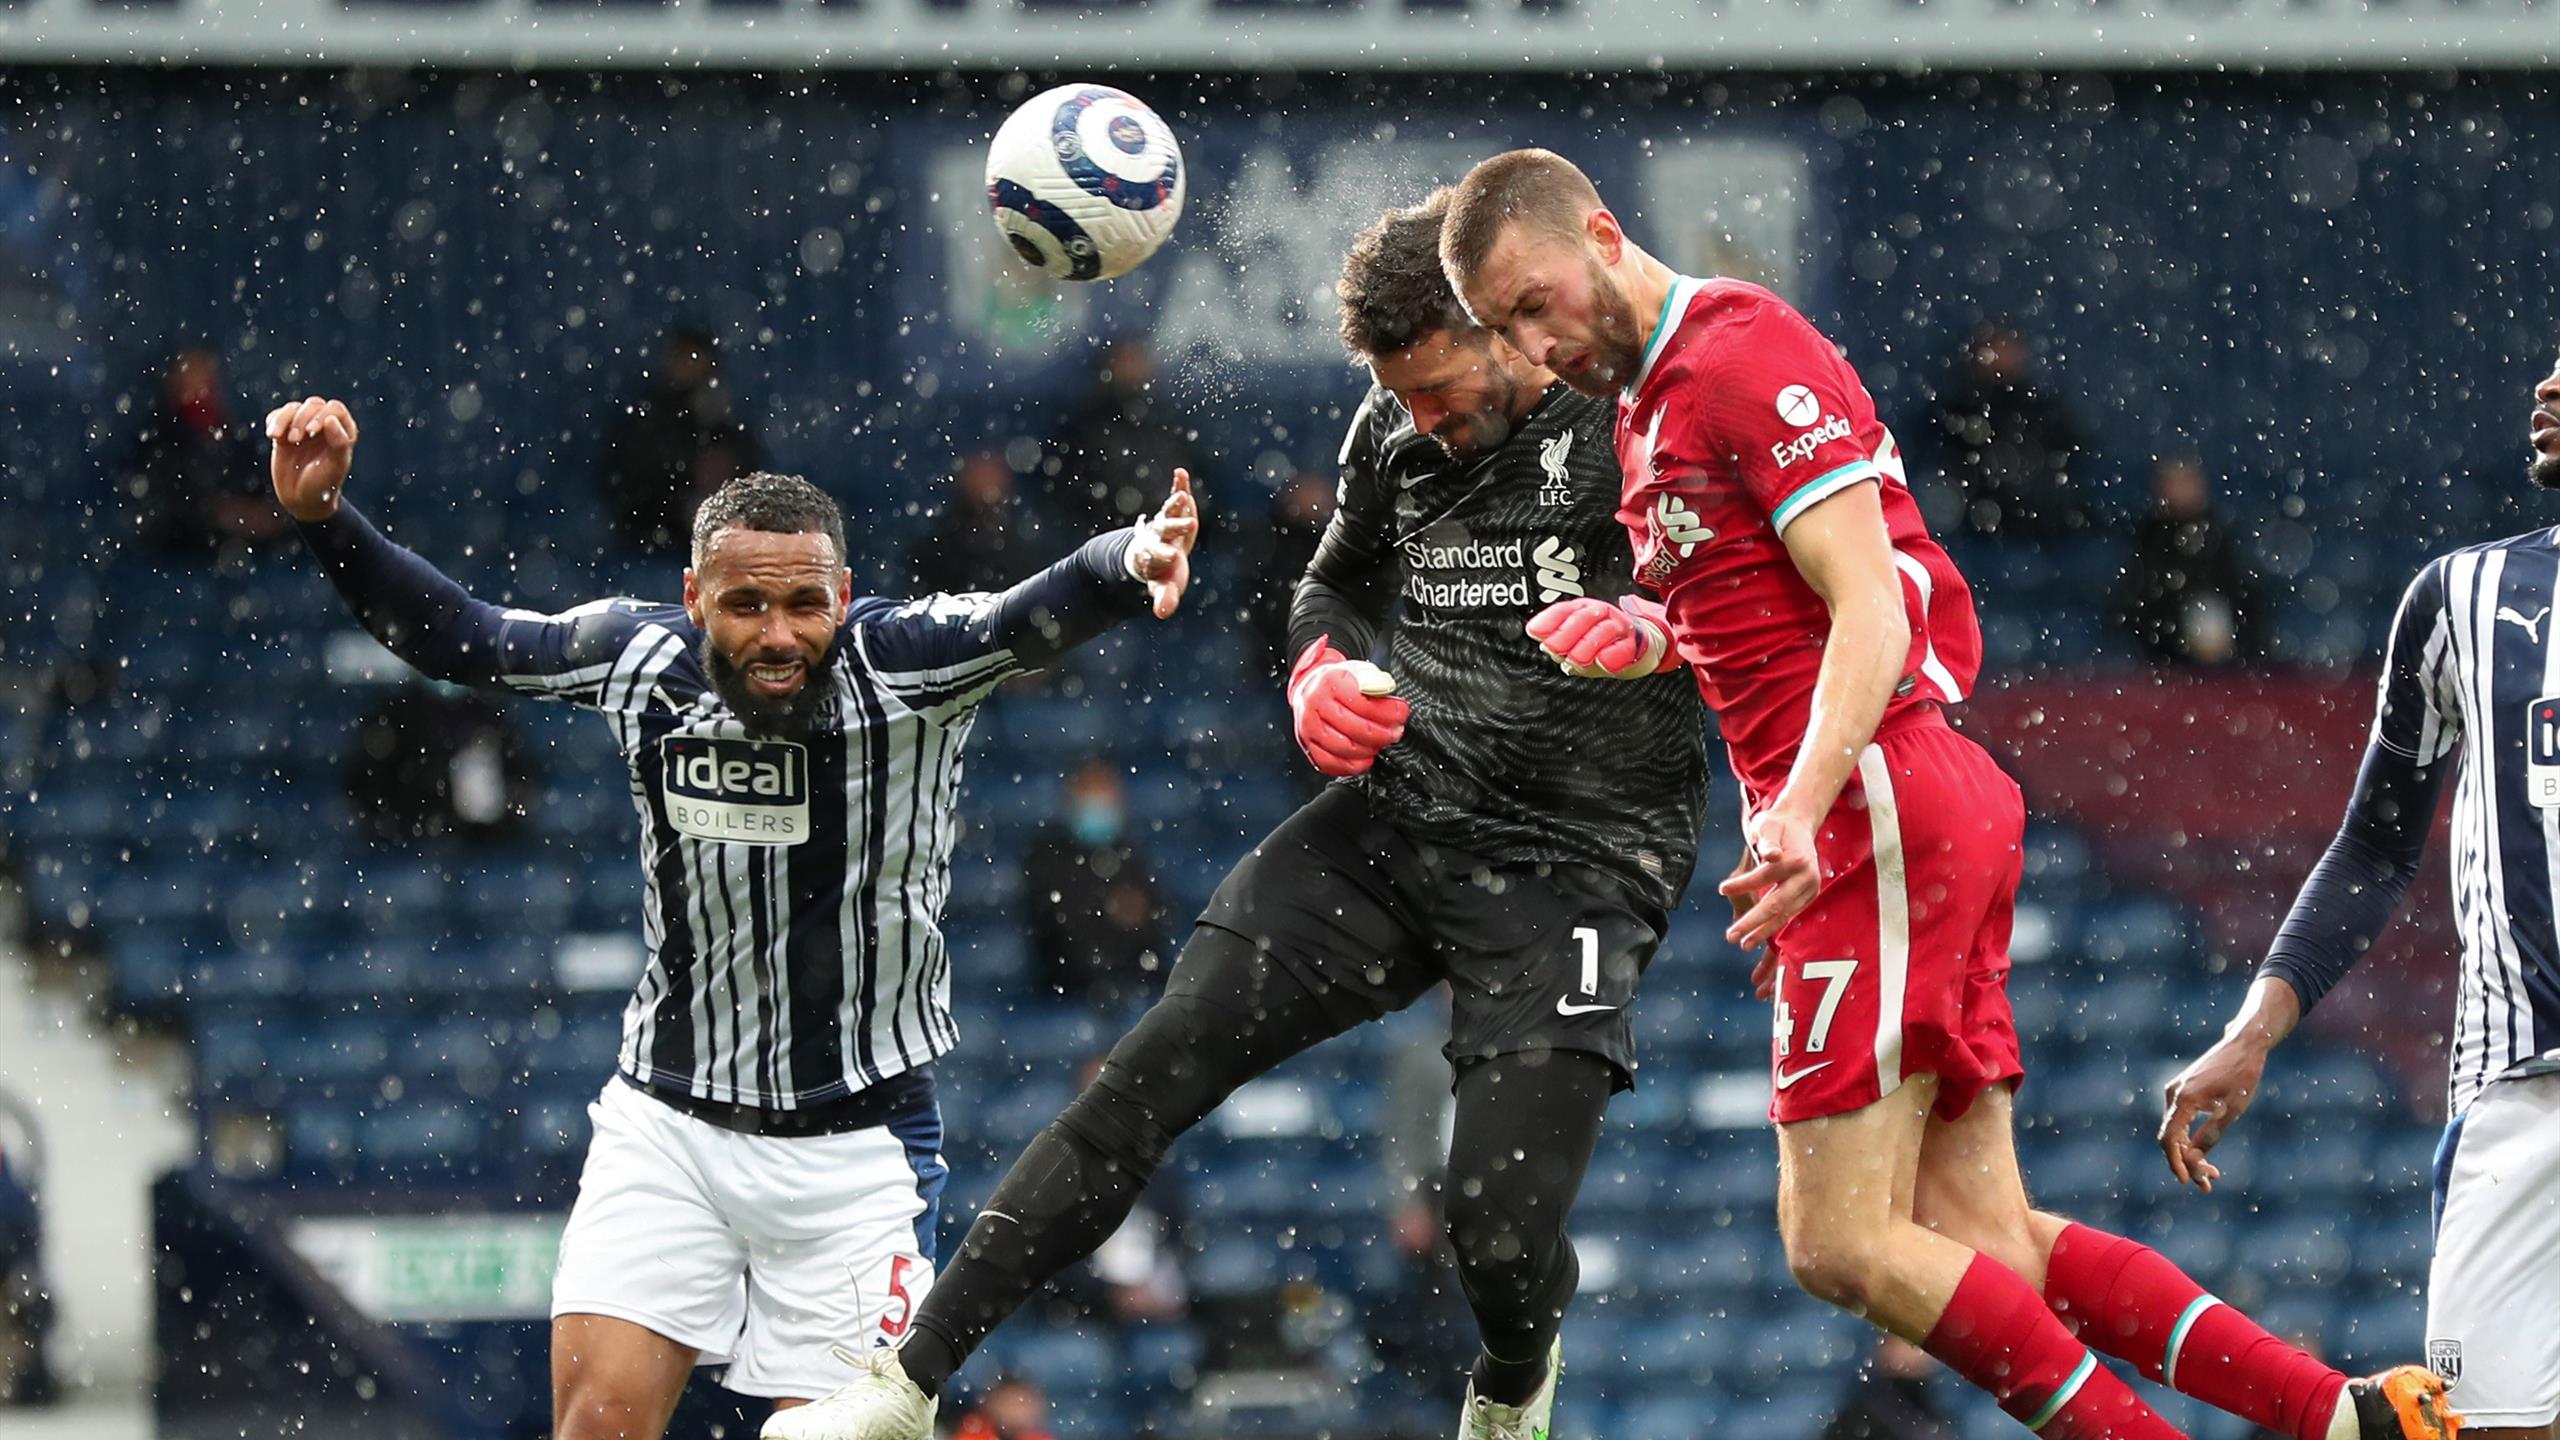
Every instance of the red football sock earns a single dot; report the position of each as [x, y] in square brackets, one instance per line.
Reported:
[2131, 1302]
[1998, 1334]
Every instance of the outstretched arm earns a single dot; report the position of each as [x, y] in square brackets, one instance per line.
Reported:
[944, 652]
[418, 612]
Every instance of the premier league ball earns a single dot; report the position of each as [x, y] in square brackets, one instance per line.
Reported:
[1085, 182]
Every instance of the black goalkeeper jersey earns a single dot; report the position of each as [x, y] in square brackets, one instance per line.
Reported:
[1505, 755]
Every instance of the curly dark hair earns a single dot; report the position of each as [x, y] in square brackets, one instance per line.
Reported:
[1392, 289]
[775, 504]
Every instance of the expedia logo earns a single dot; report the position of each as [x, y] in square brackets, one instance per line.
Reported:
[1788, 452]
[744, 792]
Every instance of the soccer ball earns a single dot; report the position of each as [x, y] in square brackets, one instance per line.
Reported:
[1085, 182]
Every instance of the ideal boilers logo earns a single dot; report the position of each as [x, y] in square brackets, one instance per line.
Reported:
[743, 792]
[2542, 752]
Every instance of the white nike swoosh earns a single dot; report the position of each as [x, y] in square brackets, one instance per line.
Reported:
[1567, 1007]
[1785, 1079]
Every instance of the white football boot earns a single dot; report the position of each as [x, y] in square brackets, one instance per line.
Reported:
[1484, 1420]
[881, 1403]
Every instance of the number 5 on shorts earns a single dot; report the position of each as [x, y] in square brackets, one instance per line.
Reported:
[1835, 976]
[895, 1325]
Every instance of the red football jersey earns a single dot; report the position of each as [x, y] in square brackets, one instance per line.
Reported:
[1741, 418]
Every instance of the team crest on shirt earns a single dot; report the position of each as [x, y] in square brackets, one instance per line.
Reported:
[1677, 534]
[737, 791]
[2445, 1358]
[1552, 455]
[2542, 752]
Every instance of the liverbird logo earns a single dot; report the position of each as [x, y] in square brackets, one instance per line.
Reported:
[1551, 458]
[2532, 628]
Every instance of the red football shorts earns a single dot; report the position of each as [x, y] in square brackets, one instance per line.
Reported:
[1900, 967]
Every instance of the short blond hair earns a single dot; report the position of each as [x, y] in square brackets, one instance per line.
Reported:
[1537, 188]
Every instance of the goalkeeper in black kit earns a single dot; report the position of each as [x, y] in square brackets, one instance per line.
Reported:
[1497, 823]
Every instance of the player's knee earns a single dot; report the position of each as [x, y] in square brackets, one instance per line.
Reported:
[1839, 1267]
[1503, 1248]
[1157, 1083]
[591, 1407]
[1123, 1129]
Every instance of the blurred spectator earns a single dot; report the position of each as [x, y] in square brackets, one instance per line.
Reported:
[1298, 518]
[1118, 452]
[1097, 915]
[435, 761]
[2009, 446]
[679, 443]
[985, 539]
[76, 679]
[1892, 1400]
[1014, 1409]
[197, 480]
[2189, 598]
[26, 1303]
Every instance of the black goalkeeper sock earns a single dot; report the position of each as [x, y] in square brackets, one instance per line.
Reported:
[929, 1359]
[1526, 1127]
[1508, 1382]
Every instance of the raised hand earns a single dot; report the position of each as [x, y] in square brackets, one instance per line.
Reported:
[1161, 555]
[315, 442]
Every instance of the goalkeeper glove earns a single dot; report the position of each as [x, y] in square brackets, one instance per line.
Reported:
[1598, 640]
[1342, 709]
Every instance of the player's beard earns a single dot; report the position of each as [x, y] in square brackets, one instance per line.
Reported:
[1471, 437]
[788, 718]
[1617, 343]
[2544, 471]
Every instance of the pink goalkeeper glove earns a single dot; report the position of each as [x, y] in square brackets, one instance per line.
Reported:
[1598, 640]
[1342, 709]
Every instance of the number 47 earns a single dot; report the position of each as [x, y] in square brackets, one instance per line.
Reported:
[1835, 976]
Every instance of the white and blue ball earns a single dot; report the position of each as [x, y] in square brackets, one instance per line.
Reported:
[1085, 181]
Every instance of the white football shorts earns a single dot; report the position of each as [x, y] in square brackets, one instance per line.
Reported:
[759, 1251]
[2493, 1293]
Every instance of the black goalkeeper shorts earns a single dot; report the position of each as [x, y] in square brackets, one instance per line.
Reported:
[1538, 956]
